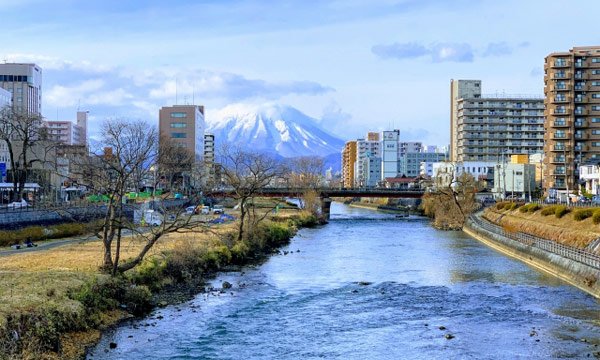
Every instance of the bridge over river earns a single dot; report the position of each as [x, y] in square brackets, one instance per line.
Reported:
[327, 193]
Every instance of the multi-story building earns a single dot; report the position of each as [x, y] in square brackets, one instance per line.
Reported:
[405, 147]
[589, 175]
[209, 148]
[183, 125]
[24, 81]
[493, 127]
[410, 163]
[348, 161]
[5, 100]
[460, 89]
[390, 150]
[366, 149]
[371, 176]
[514, 179]
[572, 100]
[68, 132]
[447, 173]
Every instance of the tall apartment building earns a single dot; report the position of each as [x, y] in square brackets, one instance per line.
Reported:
[24, 82]
[572, 100]
[184, 125]
[390, 150]
[67, 132]
[5, 100]
[493, 127]
[460, 89]
[366, 149]
[405, 147]
[348, 161]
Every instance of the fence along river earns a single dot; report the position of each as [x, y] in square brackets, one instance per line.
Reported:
[371, 286]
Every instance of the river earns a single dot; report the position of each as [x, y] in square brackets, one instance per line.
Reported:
[370, 286]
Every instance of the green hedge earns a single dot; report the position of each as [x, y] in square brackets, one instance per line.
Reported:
[583, 214]
[561, 211]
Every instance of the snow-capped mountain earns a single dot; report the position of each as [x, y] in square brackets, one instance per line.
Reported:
[272, 128]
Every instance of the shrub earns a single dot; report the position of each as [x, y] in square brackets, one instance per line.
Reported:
[501, 205]
[561, 211]
[583, 214]
[529, 208]
[138, 299]
[596, 217]
[548, 210]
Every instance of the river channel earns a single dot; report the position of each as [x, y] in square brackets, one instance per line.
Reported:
[371, 286]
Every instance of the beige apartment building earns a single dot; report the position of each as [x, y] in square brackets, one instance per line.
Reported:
[184, 125]
[348, 162]
[67, 132]
[572, 110]
[493, 127]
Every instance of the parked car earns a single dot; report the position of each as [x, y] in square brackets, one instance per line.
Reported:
[153, 218]
[550, 200]
[595, 200]
[205, 210]
[218, 209]
[18, 204]
[190, 210]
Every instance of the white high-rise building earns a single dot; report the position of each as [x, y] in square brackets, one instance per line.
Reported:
[390, 150]
[365, 149]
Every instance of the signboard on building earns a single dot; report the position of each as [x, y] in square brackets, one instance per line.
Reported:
[2, 170]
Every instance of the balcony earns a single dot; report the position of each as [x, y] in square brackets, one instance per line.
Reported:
[558, 147]
[579, 64]
[560, 75]
[560, 99]
[560, 63]
[581, 136]
[579, 148]
[581, 99]
[579, 87]
[560, 123]
[558, 160]
[580, 112]
[561, 111]
[561, 88]
[581, 123]
[581, 76]
[558, 135]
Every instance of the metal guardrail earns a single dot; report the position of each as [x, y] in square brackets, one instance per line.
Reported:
[582, 256]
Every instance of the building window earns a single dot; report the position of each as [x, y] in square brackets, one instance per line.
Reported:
[596, 144]
[595, 72]
[596, 60]
[596, 120]
[595, 83]
[175, 135]
[595, 132]
[178, 114]
[178, 125]
[596, 96]
[596, 107]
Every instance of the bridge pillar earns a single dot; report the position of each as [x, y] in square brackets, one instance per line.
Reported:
[325, 208]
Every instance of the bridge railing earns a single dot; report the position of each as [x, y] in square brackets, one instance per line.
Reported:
[580, 255]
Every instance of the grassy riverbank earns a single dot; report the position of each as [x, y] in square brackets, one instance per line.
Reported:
[568, 226]
[54, 303]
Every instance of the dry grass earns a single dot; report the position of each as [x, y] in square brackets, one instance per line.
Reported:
[564, 230]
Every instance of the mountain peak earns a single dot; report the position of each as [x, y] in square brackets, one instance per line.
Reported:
[273, 128]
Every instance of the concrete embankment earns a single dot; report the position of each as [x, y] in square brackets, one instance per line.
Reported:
[576, 273]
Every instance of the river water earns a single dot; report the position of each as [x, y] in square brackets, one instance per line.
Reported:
[419, 285]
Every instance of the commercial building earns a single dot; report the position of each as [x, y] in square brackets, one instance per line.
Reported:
[409, 163]
[67, 132]
[514, 180]
[390, 150]
[183, 125]
[348, 161]
[371, 172]
[493, 127]
[24, 82]
[446, 173]
[572, 100]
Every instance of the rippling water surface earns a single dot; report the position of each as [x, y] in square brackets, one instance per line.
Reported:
[370, 286]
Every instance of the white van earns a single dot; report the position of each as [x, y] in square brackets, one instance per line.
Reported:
[153, 218]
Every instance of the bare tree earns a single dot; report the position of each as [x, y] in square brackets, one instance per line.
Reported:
[306, 176]
[27, 143]
[452, 201]
[174, 163]
[122, 160]
[247, 173]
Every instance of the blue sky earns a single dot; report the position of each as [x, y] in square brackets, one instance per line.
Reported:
[354, 65]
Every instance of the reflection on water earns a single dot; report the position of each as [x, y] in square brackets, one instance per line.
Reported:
[311, 304]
